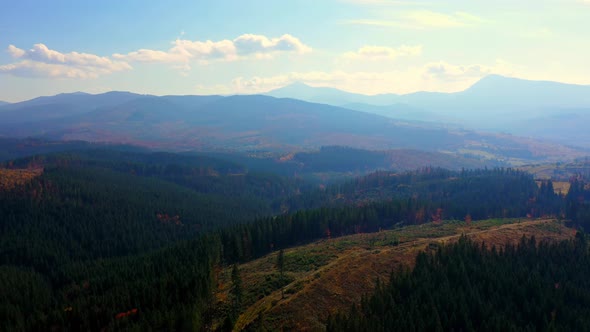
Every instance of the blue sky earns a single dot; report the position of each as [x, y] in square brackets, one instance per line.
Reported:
[251, 46]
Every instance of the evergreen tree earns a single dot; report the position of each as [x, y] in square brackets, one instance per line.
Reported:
[236, 289]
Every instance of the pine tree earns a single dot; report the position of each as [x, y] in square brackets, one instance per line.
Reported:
[236, 289]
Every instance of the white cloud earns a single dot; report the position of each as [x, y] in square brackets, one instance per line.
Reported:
[382, 52]
[439, 76]
[33, 69]
[40, 61]
[15, 52]
[422, 19]
[144, 55]
[248, 44]
[41, 53]
[185, 51]
[447, 72]
[207, 50]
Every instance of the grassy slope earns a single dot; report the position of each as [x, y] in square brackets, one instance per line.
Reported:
[331, 274]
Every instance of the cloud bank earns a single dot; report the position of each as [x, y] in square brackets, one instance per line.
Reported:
[41, 61]
[245, 45]
[372, 53]
[433, 76]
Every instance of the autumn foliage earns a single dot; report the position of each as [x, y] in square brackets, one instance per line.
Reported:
[166, 219]
[12, 178]
[126, 314]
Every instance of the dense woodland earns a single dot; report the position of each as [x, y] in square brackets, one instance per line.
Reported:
[466, 287]
[132, 240]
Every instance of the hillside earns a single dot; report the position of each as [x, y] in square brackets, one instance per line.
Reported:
[328, 276]
[530, 285]
[88, 237]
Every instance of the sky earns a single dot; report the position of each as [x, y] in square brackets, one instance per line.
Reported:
[253, 46]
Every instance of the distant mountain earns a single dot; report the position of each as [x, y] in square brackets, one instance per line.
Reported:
[495, 103]
[490, 91]
[62, 105]
[248, 123]
[500, 90]
[330, 96]
[400, 111]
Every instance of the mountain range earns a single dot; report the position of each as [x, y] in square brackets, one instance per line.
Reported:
[266, 123]
[541, 109]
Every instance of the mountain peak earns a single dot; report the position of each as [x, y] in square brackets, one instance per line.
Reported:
[297, 84]
[512, 84]
[495, 79]
[298, 90]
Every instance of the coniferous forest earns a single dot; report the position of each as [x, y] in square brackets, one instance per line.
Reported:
[130, 240]
[466, 287]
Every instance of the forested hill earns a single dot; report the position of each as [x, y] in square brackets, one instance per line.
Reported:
[13, 148]
[200, 173]
[464, 287]
[88, 237]
[326, 159]
[102, 239]
[484, 191]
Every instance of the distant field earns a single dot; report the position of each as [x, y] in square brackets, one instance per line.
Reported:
[559, 187]
[558, 172]
[329, 275]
